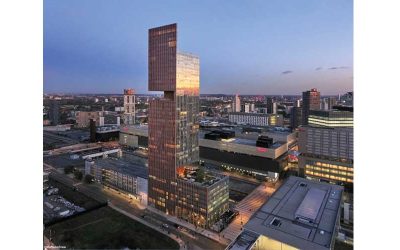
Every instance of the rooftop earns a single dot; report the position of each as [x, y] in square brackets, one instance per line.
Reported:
[123, 165]
[301, 213]
[191, 174]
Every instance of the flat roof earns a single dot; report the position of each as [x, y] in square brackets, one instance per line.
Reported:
[123, 165]
[301, 213]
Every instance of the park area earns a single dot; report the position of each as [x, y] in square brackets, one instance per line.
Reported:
[105, 228]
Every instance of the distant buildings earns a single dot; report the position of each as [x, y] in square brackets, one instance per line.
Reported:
[271, 106]
[236, 104]
[311, 101]
[328, 103]
[247, 107]
[301, 214]
[54, 112]
[295, 117]
[347, 99]
[83, 118]
[129, 107]
[255, 119]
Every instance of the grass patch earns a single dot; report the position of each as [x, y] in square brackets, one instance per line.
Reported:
[105, 228]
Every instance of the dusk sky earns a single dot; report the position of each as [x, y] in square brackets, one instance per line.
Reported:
[246, 47]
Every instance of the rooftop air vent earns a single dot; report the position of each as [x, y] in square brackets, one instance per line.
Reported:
[303, 184]
[276, 222]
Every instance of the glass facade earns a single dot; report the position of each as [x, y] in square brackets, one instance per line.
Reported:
[173, 133]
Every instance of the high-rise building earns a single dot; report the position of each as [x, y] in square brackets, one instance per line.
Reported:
[271, 106]
[129, 106]
[177, 186]
[328, 103]
[295, 117]
[54, 112]
[311, 101]
[236, 104]
[247, 107]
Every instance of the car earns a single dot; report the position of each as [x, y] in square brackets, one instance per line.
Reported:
[165, 225]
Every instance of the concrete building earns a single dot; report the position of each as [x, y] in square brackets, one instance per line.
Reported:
[247, 107]
[129, 107]
[301, 214]
[331, 118]
[54, 112]
[295, 117]
[311, 101]
[272, 107]
[173, 136]
[120, 174]
[83, 118]
[239, 153]
[134, 136]
[236, 104]
[326, 154]
[328, 103]
[248, 118]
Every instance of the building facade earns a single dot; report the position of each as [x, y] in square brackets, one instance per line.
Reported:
[173, 134]
[129, 106]
[83, 118]
[330, 118]
[326, 154]
[248, 118]
[236, 104]
[311, 101]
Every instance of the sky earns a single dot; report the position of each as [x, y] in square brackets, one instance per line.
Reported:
[245, 47]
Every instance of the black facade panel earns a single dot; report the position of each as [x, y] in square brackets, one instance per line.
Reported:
[242, 160]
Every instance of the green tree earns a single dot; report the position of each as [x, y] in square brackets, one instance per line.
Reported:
[200, 175]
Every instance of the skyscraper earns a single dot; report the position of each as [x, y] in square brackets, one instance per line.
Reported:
[271, 106]
[129, 106]
[311, 101]
[173, 136]
[54, 112]
[236, 104]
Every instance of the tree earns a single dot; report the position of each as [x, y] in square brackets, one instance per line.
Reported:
[200, 175]
[78, 174]
[89, 178]
[68, 169]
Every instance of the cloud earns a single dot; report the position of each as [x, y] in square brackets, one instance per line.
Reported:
[341, 67]
[319, 68]
[287, 72]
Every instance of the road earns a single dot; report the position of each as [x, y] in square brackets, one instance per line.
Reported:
[247, 207]
[134, 208]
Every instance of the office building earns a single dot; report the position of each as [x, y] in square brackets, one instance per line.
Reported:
[326, 154]
[54, 112]
[311, 101]
[301, 214]
[275, 120]
[247, 107]
[328, 103]
[120, 174]
[295, 117]
[346, 99]
[134, 136]
[177, 186]
[129, 107]
[236, 104]
[331, 118]
[271, 106]
[248, 118]
[83, 118]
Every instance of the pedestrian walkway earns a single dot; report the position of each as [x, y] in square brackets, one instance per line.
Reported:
[246, 208]
[172, 236]
[207, 233]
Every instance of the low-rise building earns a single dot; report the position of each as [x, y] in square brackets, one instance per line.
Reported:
[301, 214]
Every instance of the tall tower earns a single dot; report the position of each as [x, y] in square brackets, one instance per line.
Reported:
[311, 101]
[236, 104]
[173, 128]
[129, 106]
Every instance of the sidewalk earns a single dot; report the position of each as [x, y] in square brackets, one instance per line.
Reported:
[172, 236]
[207, 233]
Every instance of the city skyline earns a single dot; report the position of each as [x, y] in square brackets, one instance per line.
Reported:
[245, 49]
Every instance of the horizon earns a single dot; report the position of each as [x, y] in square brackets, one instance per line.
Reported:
[259, 47]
